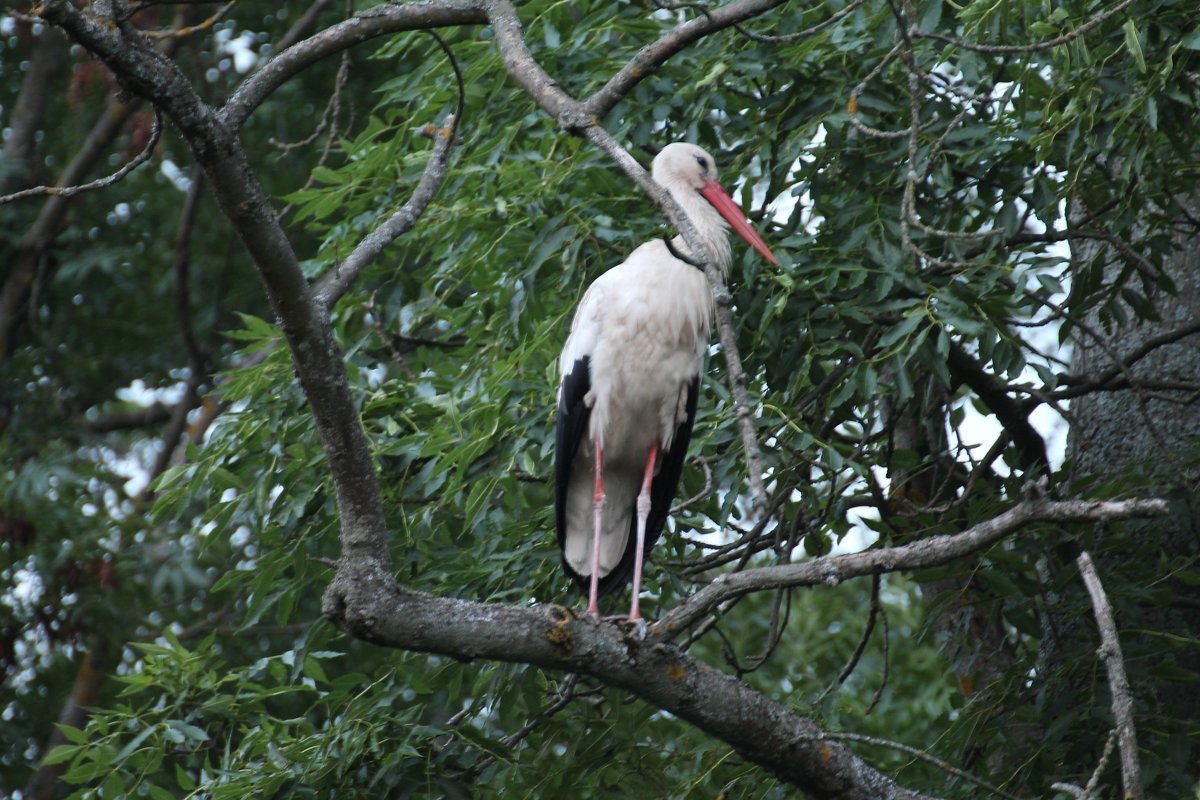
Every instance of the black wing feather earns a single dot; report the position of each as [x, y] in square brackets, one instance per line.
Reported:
[662, 492]
[570, 428]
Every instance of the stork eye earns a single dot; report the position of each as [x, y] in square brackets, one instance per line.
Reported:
[703, 162]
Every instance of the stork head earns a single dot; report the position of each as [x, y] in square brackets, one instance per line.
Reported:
[682, 168]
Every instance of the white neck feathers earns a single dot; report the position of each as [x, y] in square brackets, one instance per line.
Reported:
[711, 226]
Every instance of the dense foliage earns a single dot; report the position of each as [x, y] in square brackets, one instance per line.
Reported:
[919, 168]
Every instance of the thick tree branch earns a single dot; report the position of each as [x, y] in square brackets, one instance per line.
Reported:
[929, 552]
[367, 603]
[1010, 412]
[319, 364]
[1118, 683]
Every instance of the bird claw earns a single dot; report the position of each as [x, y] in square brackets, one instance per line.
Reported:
[637, 627]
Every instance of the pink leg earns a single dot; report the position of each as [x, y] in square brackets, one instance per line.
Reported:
[597, 515]
[643, 511]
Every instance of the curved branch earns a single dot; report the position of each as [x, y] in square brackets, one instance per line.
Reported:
[651, 57]
[796, 36]
[99, 183]
[365, 25]
[330, 288]
[929, 552]
[317, 357]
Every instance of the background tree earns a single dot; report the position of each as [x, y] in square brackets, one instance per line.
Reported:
[954, 192]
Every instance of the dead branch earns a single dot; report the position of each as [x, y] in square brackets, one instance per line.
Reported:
[1118, 682]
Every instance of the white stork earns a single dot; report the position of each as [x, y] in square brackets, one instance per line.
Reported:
[630, 377]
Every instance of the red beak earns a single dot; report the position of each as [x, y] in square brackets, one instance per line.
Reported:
[723, 203]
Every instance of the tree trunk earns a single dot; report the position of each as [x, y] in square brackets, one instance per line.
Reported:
[1152, 430]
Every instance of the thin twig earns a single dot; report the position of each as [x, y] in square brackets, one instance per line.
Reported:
[100, 183]
[191, 30]
[703, 493]
[301, 26]
[862, 642]
[1061, 311]
[565, 695]
[197, 356]
[1088, 792]
[887, 662]
[329, 118]
[1125, 362]
[992, 49]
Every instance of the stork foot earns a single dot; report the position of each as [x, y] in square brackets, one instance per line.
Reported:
[633, 627]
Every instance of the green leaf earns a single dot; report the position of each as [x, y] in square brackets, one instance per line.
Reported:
[158, 793]
[1134, 44]
[134, 743]
[188, 731]
[76, 735]
[61, 753]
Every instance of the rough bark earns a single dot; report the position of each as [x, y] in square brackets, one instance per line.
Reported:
[1153, 431]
